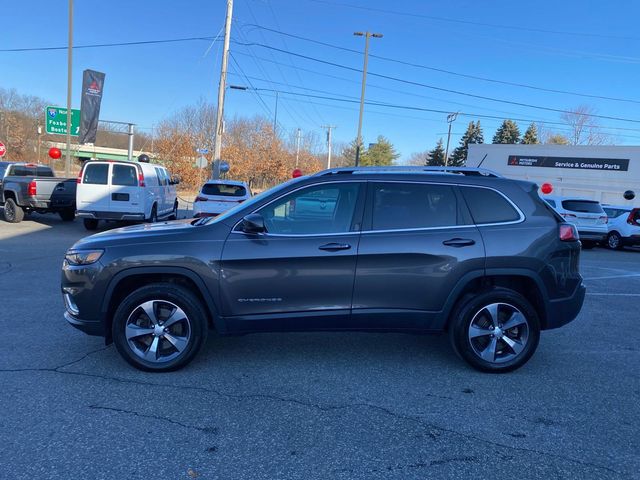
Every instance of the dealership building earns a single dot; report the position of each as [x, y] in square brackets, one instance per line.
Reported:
[600, 173]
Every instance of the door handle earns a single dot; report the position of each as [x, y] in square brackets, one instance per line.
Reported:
[459, 242]
[334, 247]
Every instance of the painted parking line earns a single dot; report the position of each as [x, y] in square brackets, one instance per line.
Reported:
[611, 277]
[615, 294]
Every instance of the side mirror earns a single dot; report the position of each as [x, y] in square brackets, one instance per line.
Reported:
[253, 223]
[175, 180]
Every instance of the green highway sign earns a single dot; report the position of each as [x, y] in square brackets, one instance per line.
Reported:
[56, 120]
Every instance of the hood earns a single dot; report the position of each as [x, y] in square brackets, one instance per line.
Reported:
[143, 233]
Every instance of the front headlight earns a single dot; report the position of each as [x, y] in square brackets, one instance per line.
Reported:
[83, 257]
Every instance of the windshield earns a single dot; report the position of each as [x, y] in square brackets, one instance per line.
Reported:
[249, 203]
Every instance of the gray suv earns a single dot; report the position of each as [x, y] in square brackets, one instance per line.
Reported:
[357, 249]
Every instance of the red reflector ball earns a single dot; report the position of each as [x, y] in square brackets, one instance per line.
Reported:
[55, 153]
[546, 188]
[296, 173]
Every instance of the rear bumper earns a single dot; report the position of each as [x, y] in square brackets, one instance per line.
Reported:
[592, 236]
[117, 216]
[631, 241]
[565, 310]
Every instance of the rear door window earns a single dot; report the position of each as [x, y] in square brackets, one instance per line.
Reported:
[488, 206]
[400, 206]
[96, 174]
[583, 206]
[124, 175]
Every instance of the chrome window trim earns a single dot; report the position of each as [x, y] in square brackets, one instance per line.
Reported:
[521, 218]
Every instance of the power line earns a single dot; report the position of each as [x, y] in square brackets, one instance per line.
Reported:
[448, 72]
[101, 45]
[441, 89]
[518, 28]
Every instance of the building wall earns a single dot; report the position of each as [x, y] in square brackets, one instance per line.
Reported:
[600, 173]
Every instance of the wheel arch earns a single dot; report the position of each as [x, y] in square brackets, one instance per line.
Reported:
[129, 280]
[525, 282]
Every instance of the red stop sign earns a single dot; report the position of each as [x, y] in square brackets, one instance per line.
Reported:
[3, 149]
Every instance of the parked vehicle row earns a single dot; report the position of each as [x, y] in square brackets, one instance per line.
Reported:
[103, 191]
[347, 249]
[613, 226]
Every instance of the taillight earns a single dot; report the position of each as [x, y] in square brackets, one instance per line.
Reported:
[141, 179]
[603, 219]
[631, 218]
[31, 189]
[568, 232]
[200, 199]
[79, 179]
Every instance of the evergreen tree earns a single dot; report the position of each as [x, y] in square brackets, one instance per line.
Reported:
[435, 157]
[380, 153]
[531, 135]
[349, 152]
[508, 132]
[472, 135]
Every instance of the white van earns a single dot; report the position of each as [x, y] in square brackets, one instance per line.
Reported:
[121, 190]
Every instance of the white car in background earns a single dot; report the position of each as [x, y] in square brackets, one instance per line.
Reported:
[624, 226]
[217, 196]
[587, 215]
[125, 191]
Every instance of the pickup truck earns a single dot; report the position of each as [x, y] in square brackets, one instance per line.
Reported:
[27, 187]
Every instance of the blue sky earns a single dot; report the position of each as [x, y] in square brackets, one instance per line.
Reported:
[583, 46]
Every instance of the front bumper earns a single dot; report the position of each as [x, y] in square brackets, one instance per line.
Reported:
[90, 327]
[565, 310]
[116, 216]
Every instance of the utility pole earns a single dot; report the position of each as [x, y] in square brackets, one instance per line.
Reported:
[450, 119]
[298, 132]
[130, 146]
[67, 168]
[366, 36]
[329, 128]
[217, 139]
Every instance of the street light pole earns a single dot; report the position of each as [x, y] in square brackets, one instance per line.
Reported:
[329, 128]
[217, 139]
[450, 119]
[67, 168]
[366, 36]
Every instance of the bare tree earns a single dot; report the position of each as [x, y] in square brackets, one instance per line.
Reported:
[585, 128]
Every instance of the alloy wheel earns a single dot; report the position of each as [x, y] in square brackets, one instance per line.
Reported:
[498, 332]
[158, 331]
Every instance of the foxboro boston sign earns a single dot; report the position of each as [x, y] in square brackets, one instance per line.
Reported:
[609, 164]
[92, 85]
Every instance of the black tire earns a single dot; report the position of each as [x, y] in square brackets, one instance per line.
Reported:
[90, 224]
[13, 213]
[67, 215]
[614, 241]
[163, 297]
[153, 218]
[587, 244]
[472, 310]
[174, 213]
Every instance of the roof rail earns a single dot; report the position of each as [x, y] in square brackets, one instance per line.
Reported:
[468, 171]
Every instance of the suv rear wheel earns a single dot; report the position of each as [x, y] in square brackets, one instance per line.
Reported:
[495, 331]
[90, 224]
[614, 241]
[160, 327]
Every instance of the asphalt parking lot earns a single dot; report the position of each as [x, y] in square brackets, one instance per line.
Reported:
[344, 406]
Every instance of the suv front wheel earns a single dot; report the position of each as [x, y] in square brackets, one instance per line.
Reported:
[495, 331]
[160, 327]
